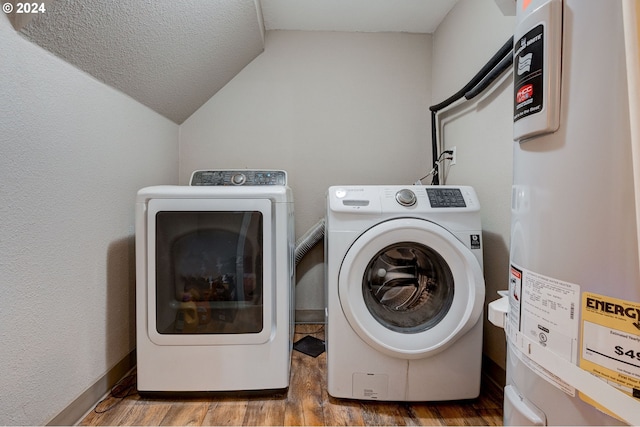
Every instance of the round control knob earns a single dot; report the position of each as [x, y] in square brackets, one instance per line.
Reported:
[238, 179]
[406, 197]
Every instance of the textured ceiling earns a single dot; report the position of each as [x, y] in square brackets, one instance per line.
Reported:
[174, 55]
[411, 16]
[170, 55]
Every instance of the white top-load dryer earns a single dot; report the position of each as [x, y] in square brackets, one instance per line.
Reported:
[214, 291]
[405, 292]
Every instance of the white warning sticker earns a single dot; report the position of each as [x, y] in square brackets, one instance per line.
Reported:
[549, 313]
[544, 310]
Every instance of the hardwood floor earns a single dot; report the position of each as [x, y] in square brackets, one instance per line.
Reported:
[305, 403]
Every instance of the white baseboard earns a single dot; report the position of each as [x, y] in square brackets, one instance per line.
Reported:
[79, 408]
[309, 316]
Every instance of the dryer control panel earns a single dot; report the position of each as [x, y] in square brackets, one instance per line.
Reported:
[238, 177]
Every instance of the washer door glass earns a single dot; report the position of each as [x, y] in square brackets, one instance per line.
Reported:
[408, 287]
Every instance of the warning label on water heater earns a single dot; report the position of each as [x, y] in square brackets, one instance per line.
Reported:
[544, 310]
[528, 77]
[611, 342]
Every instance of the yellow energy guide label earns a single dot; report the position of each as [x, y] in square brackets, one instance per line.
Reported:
[611, 342]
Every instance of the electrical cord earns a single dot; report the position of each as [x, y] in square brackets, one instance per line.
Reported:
[315, 332]
[438, 162]
[121, 390]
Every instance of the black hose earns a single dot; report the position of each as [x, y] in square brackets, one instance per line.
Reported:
[434, 149]
[493, 62]
[479, 81]
[489, 78]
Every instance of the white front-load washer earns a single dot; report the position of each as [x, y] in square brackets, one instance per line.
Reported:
[405, 292]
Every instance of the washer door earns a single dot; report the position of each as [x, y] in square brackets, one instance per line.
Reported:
[409, 288]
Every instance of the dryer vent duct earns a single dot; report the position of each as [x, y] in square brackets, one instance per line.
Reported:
[309, 240]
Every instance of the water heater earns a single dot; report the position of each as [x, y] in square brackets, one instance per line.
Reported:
[573, 300]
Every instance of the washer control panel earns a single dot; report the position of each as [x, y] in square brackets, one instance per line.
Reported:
[446, 197]
[238, 177]
[414, 199]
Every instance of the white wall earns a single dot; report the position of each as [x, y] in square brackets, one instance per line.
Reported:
[330, 108]
[481, 131]
[73, 153]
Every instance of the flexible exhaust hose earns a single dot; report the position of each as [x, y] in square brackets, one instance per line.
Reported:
[309, 240]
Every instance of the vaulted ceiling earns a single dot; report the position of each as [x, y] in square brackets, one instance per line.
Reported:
[174, 55]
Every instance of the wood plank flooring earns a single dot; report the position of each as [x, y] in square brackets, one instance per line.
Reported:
[305, 403]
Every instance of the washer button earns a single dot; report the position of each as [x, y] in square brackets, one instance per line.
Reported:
[341, 193]
[406, 197]
[238, 179]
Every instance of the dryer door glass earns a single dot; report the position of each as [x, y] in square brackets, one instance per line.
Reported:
[408, 287]
[209, 272]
